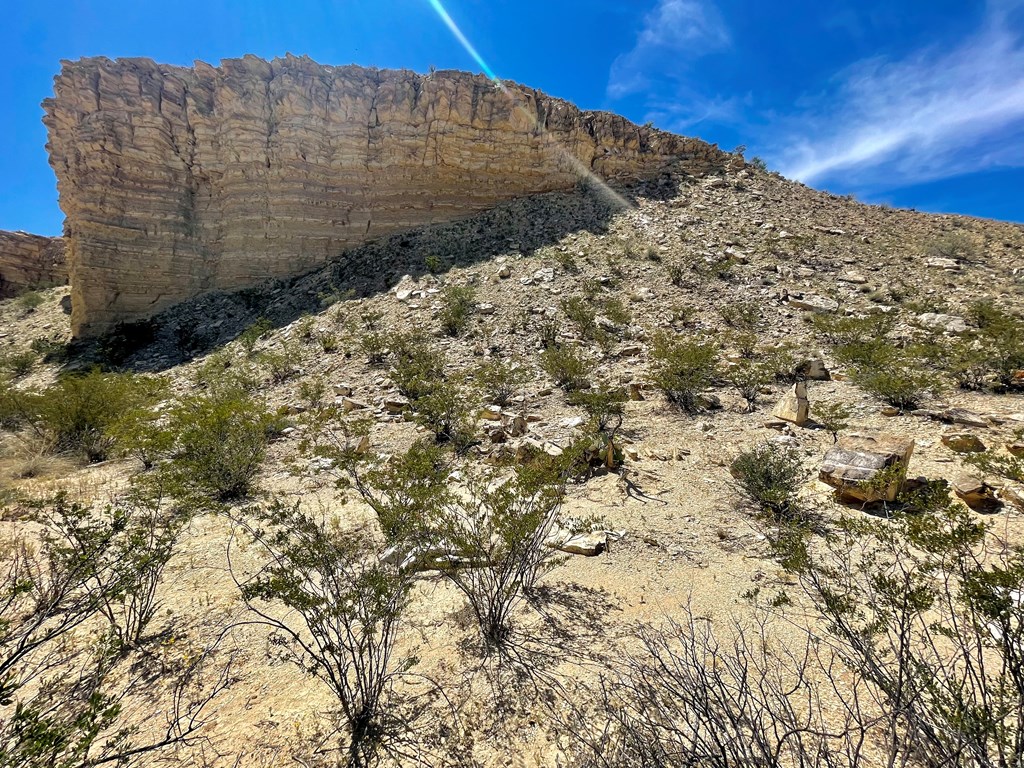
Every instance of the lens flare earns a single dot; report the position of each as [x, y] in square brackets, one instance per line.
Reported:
[578, 167]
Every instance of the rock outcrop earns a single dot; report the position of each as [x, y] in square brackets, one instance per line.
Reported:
[30, 261]
[176, 181]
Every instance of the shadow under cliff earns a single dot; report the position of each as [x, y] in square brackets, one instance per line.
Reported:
[202, 324]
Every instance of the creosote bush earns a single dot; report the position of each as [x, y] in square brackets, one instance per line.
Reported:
[501, 380]
[770, 476]
[567, 365]
[81, 414]
[219, 439]
[346, 604]
[683, 368]
[456, 309]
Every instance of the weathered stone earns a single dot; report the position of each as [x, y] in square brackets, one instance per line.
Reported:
[1012, 495]
[30, 261]
[812, 369]
[519, 427]
[963, 442]
[976, 494]
[176, 181]
[856, 460]
[343, 390]
[794, 406]
[1016, 449]
[348, 405]
[814, 303]
[947, 323]
[939, 263]
[395, 405]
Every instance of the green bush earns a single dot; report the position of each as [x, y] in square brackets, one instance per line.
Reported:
[500, 380]
[254, 333]
[220, 440]
[901, 383]
[1001, 340]
[416, 366]
[769, 477]
[456, 309]
[567, 365]
[30, 301]
[748, 376]
[833, 417]
[18, 364]
[446, 412]
[955, 245]
[79, 414]
[683, 368]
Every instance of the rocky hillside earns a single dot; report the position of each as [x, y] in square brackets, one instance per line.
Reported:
[177, 181]
[643, 342]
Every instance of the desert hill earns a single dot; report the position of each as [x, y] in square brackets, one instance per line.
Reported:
[552, 326]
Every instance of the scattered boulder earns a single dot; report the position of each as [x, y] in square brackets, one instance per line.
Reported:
[343, 390]
[812, 369]
[963, 442]
[867, 468]
[395, 405]
[794, 406]
[1013, 496]
[348, 405]
[976, 494]
[813, 303]
[946, 323]
[939, 263]
[1016, 449]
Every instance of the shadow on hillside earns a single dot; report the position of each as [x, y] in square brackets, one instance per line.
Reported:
[200, 325]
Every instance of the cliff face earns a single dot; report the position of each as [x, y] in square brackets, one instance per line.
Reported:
[30, 261]
[176, 180]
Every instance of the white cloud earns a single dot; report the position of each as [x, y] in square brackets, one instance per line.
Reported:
[935, 114]
[674, 32]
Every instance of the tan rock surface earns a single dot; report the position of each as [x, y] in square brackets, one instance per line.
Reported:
[176, 181]
[30, 261]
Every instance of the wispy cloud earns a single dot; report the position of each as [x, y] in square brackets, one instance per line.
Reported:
[937, 113]
[673, 33]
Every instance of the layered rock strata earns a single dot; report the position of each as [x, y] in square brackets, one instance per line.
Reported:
[176, 181]
[30, 261]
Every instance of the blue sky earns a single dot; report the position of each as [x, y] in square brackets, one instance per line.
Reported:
[918, 103]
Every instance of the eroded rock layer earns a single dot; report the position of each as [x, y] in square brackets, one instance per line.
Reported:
[177, 180]
[30, 261]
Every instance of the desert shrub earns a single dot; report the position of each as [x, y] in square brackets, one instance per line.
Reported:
[741, 315]
[1000, 339]
[456, 309]
[567, 365]
[501, 380]
[841, 330]
[900, 382]
[748, 377]
[50, 350]
[79, 413]
[251, 335]
[329, 342]
[82, 569]
[954, 245]
[683, 368]
[1001, 465]
[598, 446]
[487, 537]
[769, 476]
[615, 310]
[281, 365]
[19, 363]
[925, 607]
[582, 314]
[416, 365]
[220, 440]
[676, 273]
[445, 410]
[346, 605]
[833, 417]
[30, 301]
[433, 263]
[374, 346]
[967, 363]
[684, 695]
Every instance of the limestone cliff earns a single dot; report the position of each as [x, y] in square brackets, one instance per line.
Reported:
[30, 261]
[177, 180]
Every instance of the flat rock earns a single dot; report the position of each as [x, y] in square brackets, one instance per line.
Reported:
[857, 459]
